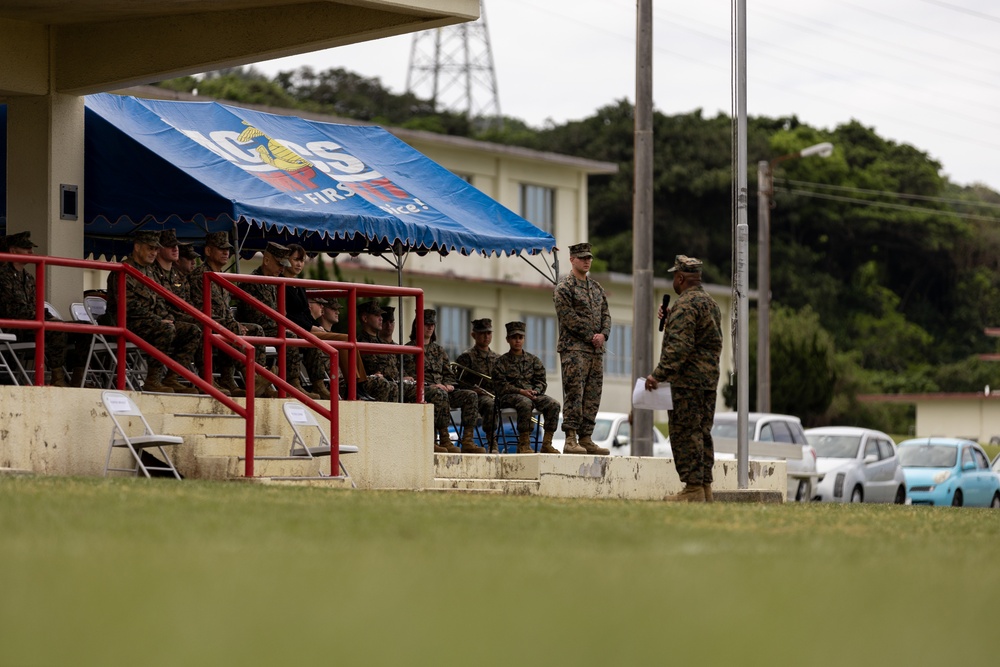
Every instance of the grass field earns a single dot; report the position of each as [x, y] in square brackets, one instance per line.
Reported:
[135, 572]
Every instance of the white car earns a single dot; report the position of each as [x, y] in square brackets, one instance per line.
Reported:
[856, 465]
[613, 432]
[769, 427]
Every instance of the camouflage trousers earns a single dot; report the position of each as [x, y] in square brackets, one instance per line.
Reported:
[226, 363]
[293, 355]
[487, 411]
[548, 406]
[387, 391]
[60, 347]
[179, 340]
[583, 381]
[691, 434]
[468, 402]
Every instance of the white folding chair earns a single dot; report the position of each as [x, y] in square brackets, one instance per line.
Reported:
[10, 353]
[124, 412]
[104, 355]
[301, 421]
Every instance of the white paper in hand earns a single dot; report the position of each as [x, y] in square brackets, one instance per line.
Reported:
[658, 399]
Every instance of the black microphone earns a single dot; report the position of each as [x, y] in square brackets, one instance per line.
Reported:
[666, 302]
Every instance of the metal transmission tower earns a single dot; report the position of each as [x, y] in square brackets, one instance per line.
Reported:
[453, 67]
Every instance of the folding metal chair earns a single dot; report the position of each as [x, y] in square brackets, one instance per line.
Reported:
[102, 358]
[509, 416]
[301, 421]
[123, 412]
[10, 353]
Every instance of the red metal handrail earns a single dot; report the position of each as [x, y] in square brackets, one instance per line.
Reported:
[218, 337]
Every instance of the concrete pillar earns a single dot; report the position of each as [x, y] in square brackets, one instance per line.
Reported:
[45, 150]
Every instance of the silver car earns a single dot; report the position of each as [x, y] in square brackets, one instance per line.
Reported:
[769, 427]
[856, 465]
[613, 431]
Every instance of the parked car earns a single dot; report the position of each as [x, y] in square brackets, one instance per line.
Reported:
[770, 427]
[856, 465]
[613, 431]
[948, 471]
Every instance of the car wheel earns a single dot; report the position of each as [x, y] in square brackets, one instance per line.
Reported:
[956, 500]
[995, 503]
[900, 498]
[802, 493]
[857, 495]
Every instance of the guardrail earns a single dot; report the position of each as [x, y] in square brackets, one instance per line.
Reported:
[217, 337]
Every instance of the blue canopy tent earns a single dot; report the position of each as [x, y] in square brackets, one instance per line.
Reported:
[204, 166]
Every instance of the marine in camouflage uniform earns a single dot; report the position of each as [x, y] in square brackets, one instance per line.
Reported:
[221, 311]
[689, 361]
[275, 258]
[584, 326]
[382, 383]
[481, 359]
[149, 316]
[164, 270]
[520, 382]
[17, 302]
[439, 388]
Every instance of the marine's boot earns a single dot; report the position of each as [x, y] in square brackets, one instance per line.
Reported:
[444, 440]
[58, 378]
[225, 392]
[262, 387]
[296, 384]
[174, 383]
[692, 493]
[572, 446]
[79, 377]
[588, 444]
[228, 382]
[524, 443]
[320, 388]
[154, 381]
[708, 493]
[547, 447]
[468, 444]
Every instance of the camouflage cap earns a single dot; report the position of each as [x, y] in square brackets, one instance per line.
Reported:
[279, 252]
[581, 250]
[685, 264]
[333, 304]
[369, 308]
[168, 238]
[484, 325]
[187, 251]
[389, 313]
[148, 237]
[218, 240]
[514, 328]
[20, 240]
[430, 317]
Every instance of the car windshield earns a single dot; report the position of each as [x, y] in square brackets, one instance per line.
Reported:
[728, 430]
[835, 446]
[928, 456]
[601, 429]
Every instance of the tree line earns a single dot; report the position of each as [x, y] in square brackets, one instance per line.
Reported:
[883, 272]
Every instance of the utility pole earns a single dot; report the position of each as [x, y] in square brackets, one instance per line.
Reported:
[453, 67]
[642, 224]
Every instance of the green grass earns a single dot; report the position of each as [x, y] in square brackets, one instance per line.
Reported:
[111, 572]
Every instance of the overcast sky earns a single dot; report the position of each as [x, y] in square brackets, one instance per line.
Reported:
[922, 72]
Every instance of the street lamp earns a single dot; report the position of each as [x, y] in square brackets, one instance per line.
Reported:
[765, 202]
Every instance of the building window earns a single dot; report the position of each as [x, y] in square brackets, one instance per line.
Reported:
[540, 339]
[618, 356]
[465, 177]
[453, 327]
[538, 206]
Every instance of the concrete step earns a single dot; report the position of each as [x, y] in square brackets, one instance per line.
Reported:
[487, 466]
[233, 467]
[510, 487]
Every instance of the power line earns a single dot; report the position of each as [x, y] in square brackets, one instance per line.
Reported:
[887, 193]
[963, 10]
[878, 204]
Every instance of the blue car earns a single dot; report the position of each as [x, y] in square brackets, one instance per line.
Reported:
[948, 471]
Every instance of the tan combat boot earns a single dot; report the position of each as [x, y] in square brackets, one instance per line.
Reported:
[468, 444]
[588, 444]
[174, 383]
[153, 382]
[444, 439]
[524, 444]
[228, 383]
[320, 388]
[690, 494]
[79, 377]
[296, 384]
[708, 493]
[572, 446]
[262, 387]
[547, 447]
[58, 378]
